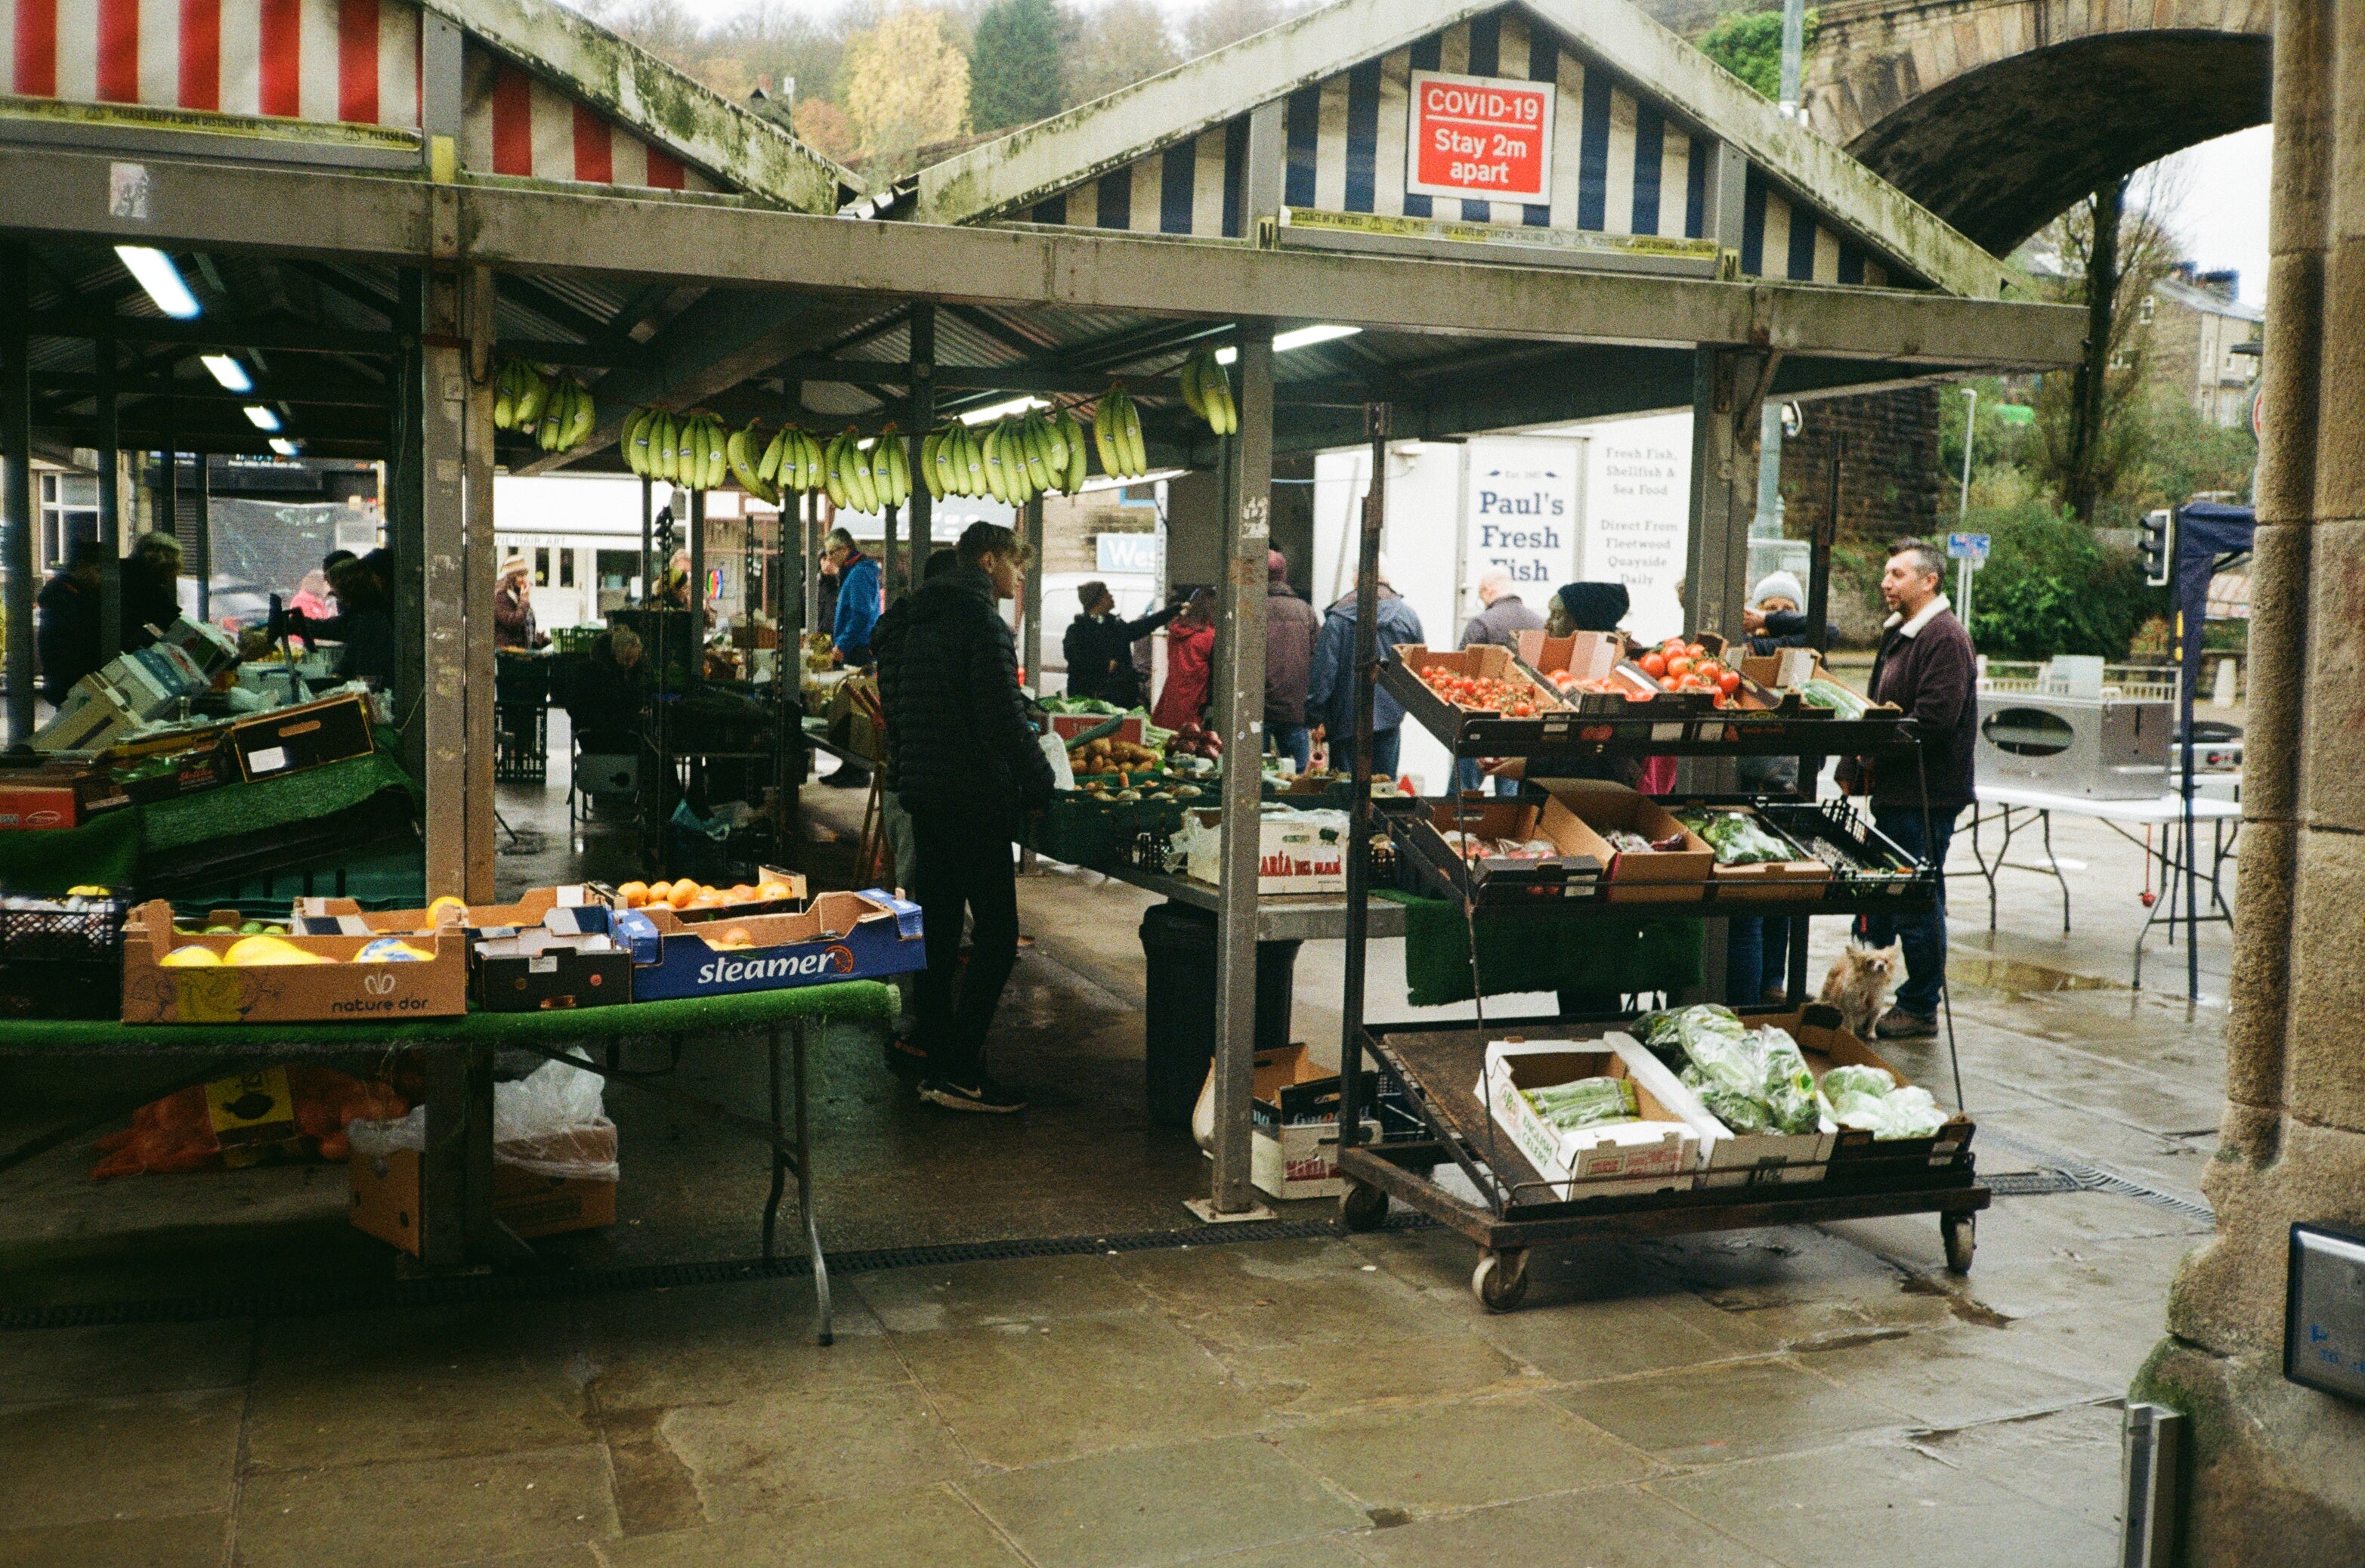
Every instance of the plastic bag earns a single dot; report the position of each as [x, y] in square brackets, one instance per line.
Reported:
[551, 1122]
[1055, 752]
[1868, 1099]
[1751, 1080]
[181, 1131]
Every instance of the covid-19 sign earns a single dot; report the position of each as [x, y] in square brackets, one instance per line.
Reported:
[1480, 138]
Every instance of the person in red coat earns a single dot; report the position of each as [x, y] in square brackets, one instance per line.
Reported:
[1190, 664]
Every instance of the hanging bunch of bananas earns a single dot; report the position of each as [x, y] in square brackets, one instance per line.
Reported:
[565, 418]
[1208, 391]
[1014, 460]
[1116, 430]
[743, 452]
[865, 477]
[690, 450]
[792, 460]
[520, 393]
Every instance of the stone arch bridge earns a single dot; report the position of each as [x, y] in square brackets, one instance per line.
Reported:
[1998, 115]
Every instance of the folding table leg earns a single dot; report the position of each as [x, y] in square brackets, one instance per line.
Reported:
[780, 1156]
[805, 1196]
[444, 1164]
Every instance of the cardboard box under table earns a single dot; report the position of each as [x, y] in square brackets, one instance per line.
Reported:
[1586, 809]
[1293, 1117]
[1658, 1153]
[385, 1194]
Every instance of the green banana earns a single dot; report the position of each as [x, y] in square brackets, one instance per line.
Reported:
[633, 443]
[533, 395]
[990, 448]
[735, 449]
[504, 398]
[768, 464]
[1133, 438]
[1030, 447]
[658, 434]
[1103, 423]
[929, 472]
[1194, 398]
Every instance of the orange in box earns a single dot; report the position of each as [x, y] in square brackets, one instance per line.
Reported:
[339, 991]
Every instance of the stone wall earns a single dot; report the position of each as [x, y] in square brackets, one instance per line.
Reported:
[2277, 1471]
[1889, 486]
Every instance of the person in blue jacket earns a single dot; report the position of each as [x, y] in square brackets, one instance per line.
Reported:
[1330, 692]
[857, 598]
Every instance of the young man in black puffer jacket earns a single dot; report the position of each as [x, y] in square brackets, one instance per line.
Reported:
[967, 766]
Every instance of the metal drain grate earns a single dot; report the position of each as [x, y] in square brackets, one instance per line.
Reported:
[575, 1285]
[2032, 1184]
[2081, 1176]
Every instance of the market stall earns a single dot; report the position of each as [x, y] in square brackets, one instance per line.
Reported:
[1795, 273]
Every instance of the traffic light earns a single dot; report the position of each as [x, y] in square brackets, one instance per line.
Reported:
[2159, 547]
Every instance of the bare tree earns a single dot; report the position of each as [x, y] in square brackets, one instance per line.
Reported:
[2108, 252]
[1116, 44]
[1216, 23]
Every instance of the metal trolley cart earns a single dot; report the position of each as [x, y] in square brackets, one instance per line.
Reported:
[1442, 1067]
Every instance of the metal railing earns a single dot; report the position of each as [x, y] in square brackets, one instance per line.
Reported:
[2156, 682]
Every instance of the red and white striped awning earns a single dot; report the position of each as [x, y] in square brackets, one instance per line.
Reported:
[329, 61]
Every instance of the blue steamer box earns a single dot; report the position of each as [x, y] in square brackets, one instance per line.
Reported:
[841, 936]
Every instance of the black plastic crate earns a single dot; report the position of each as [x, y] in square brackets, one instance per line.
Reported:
[61, 959]
[1881, 866]
[520, 743]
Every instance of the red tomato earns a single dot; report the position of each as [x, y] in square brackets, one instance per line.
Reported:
[1679, 665]
[1708, 668]
[1697, 650]
[1728, 683]
[1654, 665]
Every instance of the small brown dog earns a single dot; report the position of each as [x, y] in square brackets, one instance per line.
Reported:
[1860, 983]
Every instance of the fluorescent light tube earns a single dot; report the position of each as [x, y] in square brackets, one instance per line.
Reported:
[227, 371]
[157, 274]
[262, 417]
[1284, 342]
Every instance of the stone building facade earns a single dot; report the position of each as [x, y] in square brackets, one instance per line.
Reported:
[2197, 333]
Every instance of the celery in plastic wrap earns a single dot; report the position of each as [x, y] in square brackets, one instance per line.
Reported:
[1751, 1080]
[1587, 1102]
[1790, 1088]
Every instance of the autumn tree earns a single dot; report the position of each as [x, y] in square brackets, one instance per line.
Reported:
[904, 86]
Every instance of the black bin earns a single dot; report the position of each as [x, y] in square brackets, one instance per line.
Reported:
[1178, 948]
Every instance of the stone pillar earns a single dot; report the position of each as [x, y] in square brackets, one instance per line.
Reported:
[2276, 1473]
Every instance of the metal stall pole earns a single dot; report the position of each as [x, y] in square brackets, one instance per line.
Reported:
[442, 608]
[1031, 523]
[16, 512]
[697, 591]
[1729, 390]
[110, 506]
[1361, 677]
[923, 414]
[1818, 604]
[480, 567]
[648, 525]
[201, 538]
[1239, 658]
[891, 555]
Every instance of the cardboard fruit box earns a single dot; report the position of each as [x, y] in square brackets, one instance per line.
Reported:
[1729, 1159]
[1663, 876]
[1658, 1154]
[843, 936]
[344, 917]
[1475, 731]
[1294, 1113]
[539, 969]
[340, 990]
[1297, 851]
[1856, 1155]
[1802, 878]
[1497, 882]
[290, 740]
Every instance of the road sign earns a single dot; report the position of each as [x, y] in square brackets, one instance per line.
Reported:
[1967, 547]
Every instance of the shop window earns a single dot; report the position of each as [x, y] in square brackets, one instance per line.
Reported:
[69, 511]
[542, 565]
[2143, 311]
[566, 568]
[618, 567]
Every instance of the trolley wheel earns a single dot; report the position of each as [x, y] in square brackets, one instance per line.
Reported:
[1501, 1279]
[1961, 1232]
[1362, 1207]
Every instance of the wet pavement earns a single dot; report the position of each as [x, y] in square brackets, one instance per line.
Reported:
[1804, 1396]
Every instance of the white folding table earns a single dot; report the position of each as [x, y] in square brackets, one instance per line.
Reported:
[2014, 804]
